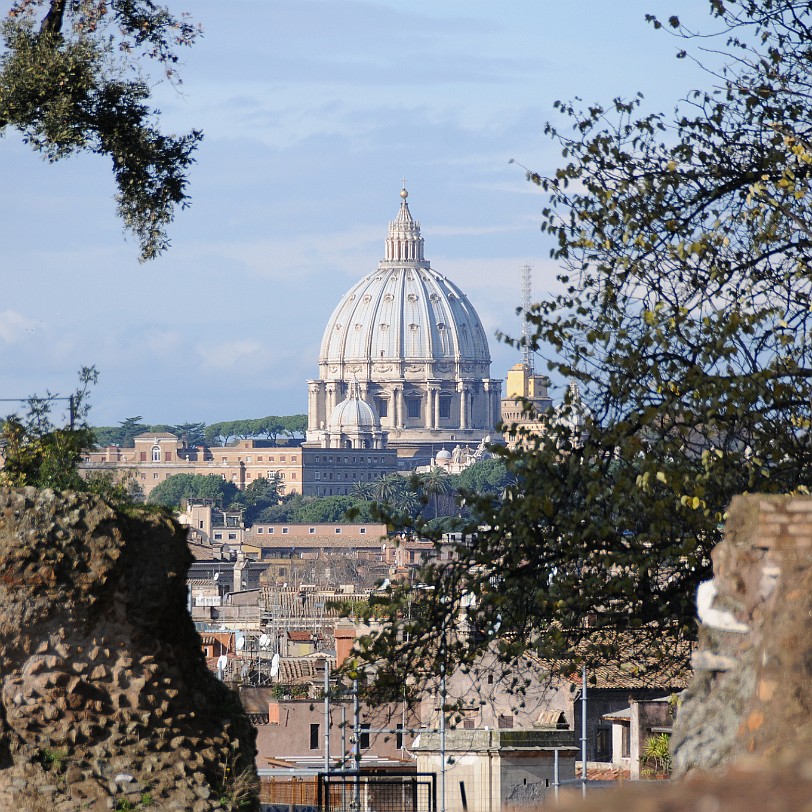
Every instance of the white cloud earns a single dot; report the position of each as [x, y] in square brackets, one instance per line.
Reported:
[231, 354]
[14, 326]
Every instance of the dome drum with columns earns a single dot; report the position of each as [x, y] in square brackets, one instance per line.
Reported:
[407, 342]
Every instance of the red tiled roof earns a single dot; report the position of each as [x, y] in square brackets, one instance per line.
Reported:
[607, 773]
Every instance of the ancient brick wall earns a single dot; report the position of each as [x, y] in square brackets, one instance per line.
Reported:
[753, 666]
[105, 698]
[743, 736]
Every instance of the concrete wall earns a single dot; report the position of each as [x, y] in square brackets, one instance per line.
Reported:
[495, 768]
[287, 734]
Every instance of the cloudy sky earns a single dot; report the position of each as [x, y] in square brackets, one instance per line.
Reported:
[313, 111]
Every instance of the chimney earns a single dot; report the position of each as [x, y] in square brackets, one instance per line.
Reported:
[345, 639]
[273, 713]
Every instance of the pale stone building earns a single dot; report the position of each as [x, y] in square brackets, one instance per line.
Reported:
[525, 387]
[155, 456]
[415, 346]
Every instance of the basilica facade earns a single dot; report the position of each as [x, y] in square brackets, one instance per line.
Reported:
[407, 342]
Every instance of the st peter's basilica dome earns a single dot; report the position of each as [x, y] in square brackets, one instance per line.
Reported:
[416, 347]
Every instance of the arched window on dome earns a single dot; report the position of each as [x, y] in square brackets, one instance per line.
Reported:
[156, 453]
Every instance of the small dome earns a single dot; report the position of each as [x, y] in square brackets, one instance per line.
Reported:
[353, 415]
[443, 455]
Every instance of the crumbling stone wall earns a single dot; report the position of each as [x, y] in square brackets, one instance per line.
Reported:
[747, 711]
[752, 685]
[105, 700]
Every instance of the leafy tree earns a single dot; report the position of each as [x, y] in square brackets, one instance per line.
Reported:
[116, 490]
[72, 79]
[262, 493]
[38, 452]
[294, 425]
[215, 435]
[129, 429]
[486, 476]
[271, 427]
[175, 489]
[284, 512]
[125, 433]
[194, 432]
[684, 316]
[334, 509]
[298, 509]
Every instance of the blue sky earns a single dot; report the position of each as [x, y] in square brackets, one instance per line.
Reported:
[313, 111]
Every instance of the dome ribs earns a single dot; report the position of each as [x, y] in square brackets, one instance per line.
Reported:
[404, 332]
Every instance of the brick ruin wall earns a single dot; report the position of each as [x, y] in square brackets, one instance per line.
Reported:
[743, 735]
[752, 685]
[106, 702]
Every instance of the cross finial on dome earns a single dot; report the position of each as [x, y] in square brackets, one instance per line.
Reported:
[403, 193]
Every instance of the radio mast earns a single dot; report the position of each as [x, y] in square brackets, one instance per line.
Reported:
[527, 292]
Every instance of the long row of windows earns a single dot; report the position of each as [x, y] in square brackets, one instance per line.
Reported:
[250, 459]
[270, 475]
[328, 475]
[337, 459]
[159, 455]
[311, 530]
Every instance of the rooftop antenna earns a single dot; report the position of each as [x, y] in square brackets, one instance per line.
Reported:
[527, 294]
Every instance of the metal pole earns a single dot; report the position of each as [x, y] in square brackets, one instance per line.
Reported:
[583, 732]
[356, 747]
[326, 716]
[442, 739]
[344, 734]
[556, 775]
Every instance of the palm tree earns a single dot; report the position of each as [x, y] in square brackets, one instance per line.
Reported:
[363, 490]
[388, 488]
[435, 483]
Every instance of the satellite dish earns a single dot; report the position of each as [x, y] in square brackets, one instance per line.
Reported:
[275, 665]
[216, 576]
[222, 662]
[264, 640]
[240, 642]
